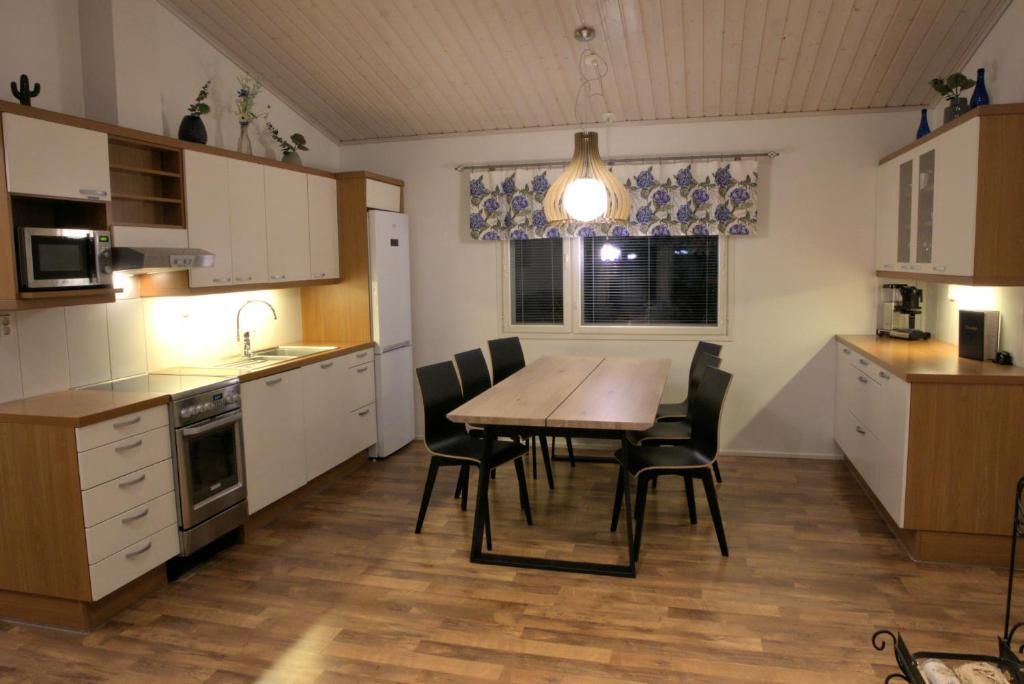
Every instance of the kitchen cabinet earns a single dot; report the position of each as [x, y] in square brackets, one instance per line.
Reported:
[48, 159]
[948, 207]
[323, 227]
[274, 437]
[248, 216]
[209, 215]
[287, 206]
[325, 426]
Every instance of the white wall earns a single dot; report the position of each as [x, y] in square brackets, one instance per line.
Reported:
[43, 39]
[806, 277]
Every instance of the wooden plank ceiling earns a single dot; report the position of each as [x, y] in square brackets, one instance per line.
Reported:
[371, 69]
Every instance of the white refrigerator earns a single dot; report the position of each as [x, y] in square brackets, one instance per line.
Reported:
[391, 310]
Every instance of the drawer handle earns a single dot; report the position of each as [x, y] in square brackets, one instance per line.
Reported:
[137, 516]
[364, 412]
[846, 351]
[222, 280]
[92, 193]
[861, 431]
[940, 269]
[278, 277]
[861, 378]
[862, 362]
[363, 369]
[136, 481]
[361, 355]
[319, 275]
[139, 552]
[128, 447]
[327, 365]
[126, 423]
[884, 375]
[274, 381]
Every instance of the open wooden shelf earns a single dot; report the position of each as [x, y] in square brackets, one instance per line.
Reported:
[146, 184]
[139, 169]
[140, 224]
[145, 198]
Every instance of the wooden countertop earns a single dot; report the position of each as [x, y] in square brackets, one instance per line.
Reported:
[930, 361]
[75, 408]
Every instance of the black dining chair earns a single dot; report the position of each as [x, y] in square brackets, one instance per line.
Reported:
[450, 445]
[506, 358]
[677, 410]
[475, 379]
[692, 459]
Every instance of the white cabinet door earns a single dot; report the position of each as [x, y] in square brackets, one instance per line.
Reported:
[886, 215]
[209, 215]
[272, 427]
[381, 195]
[248, 222]
[54, 160]
[287, 225]
[324, 416]
[324, 257]
[956, 200]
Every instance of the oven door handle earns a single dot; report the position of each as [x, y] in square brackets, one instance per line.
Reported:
[227, 419]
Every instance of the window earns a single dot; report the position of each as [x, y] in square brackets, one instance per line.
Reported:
[618, 285]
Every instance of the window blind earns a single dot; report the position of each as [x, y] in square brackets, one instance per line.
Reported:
[649, 281]
[536, 282]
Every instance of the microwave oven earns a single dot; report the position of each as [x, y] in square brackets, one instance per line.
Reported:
[59, 258]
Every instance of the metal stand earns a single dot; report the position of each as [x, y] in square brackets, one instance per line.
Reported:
[1007, 659]
[478, 555]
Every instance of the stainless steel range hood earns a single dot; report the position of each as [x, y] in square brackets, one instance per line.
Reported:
[140, 260]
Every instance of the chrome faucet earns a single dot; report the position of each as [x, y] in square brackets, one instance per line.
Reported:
[247, 346]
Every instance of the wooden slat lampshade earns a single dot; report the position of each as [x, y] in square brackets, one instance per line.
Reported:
[586, 163]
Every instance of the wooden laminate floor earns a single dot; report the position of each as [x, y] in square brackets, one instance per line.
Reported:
[341, 590]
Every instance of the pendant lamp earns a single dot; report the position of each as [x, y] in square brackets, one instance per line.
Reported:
[587, 192]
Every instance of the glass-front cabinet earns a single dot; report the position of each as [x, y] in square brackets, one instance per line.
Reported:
[925, 206]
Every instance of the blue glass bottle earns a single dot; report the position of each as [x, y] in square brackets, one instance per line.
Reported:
[923, 129]
[980, 94]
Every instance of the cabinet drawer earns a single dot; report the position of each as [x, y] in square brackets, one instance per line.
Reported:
[358, 358]
[134, 489]
[132, 526]
[384, 196]
[362, 428]
[109, 461]
[856, 392]
[98, 434]
[360, 389]
[127, 564]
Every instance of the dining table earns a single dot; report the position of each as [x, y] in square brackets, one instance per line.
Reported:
[599, 397]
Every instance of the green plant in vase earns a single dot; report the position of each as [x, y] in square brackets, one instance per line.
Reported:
[245, 109]
[192, 128]
[289, 147]
[951, 88]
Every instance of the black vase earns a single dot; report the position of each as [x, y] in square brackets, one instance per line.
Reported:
[192, 129]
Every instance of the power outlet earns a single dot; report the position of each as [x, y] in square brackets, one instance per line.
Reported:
[5, 325]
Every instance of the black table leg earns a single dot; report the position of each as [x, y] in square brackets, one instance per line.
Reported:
[476, 550]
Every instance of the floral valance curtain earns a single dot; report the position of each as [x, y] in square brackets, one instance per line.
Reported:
[682, 198]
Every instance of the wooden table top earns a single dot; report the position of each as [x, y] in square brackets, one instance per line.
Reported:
[581, 392]
[930, 361]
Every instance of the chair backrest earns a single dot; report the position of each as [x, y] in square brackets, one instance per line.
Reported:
[704, 348]
[506, 357]
[473, 372]
[697, 368]
[439, 387]
[705, 410]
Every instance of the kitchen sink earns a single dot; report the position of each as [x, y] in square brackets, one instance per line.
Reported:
[266, 357]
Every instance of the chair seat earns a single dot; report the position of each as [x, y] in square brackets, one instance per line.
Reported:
[662, 433]
[468, 448]
[658, 458]
[674, 411]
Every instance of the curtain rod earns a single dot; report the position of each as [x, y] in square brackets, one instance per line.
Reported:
[771, 154]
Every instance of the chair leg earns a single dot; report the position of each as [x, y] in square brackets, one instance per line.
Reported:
[716, 515]
[619, 490]
[465, 486]
[524, 495]
[427, 489]
[547, 461]
[533, 449]
[461, 482]
[641, 504]
[691, 504]
[572, 456]
[718, 473]
[654, 481]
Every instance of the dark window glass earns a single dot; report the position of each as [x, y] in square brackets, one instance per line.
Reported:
[650, 281]
[536, 280]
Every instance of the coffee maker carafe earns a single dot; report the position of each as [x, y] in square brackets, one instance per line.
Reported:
[899, 311]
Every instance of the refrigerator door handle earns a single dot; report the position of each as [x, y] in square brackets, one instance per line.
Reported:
[392, 347]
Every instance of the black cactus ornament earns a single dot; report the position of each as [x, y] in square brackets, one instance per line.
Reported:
[22, 92]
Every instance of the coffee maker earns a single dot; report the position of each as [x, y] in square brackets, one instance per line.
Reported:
[899, 310]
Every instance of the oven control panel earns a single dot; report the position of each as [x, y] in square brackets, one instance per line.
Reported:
[207, 404]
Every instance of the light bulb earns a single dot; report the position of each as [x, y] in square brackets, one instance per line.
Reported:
[585, 199]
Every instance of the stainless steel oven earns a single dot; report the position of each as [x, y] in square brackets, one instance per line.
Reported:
[210, 460]
[58, 258]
